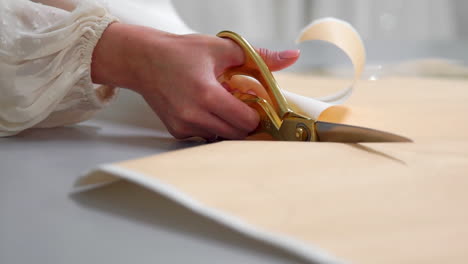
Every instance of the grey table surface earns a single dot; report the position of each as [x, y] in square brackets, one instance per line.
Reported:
[43, 221]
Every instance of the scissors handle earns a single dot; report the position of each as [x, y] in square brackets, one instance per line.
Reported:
[276, 117]
[255, 67]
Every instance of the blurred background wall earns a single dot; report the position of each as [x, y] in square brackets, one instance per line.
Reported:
[273, 20]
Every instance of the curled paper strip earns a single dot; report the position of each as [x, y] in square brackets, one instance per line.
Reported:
[331, 30]
[345, 37]
[340, 34]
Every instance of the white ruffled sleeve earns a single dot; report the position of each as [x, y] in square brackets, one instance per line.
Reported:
[45, 61]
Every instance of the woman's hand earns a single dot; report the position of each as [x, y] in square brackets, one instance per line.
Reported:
[177, 76]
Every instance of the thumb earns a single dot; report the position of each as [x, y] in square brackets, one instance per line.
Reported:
[278, 60]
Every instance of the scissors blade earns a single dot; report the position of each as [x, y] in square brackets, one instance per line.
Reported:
[333, 132]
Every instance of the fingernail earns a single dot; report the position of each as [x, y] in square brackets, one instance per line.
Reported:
[289, 54]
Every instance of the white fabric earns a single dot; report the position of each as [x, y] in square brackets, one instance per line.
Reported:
[45, 56]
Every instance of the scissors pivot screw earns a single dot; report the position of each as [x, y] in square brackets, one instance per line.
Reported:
[300, 134]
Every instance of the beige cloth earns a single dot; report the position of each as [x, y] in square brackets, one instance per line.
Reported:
[364, 203]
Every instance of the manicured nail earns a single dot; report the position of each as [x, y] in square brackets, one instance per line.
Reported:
[289, 54]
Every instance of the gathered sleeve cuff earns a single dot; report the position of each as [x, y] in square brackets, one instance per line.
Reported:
[45, 64]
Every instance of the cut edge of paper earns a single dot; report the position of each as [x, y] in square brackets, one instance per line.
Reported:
[344, 36]
[110, 173]
[340, 34]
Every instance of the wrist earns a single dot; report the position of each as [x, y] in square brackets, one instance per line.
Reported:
[104, 57]
[121, 55]
[112, 57]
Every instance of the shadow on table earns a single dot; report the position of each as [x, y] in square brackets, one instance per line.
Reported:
[130, 109]
[89, 134]
[127, 200]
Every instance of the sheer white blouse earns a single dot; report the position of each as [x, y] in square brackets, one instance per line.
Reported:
[46, 49]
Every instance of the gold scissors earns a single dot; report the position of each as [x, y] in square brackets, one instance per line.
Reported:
[276, 116]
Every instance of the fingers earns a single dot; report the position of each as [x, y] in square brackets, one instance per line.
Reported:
[275, 60]
[220, 128]
[233, 111]
[196, 132]
[207, 126]
[279, 60]
[215, 112]
[230, 55]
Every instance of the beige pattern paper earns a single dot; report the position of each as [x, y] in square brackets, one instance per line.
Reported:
[363, 203]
